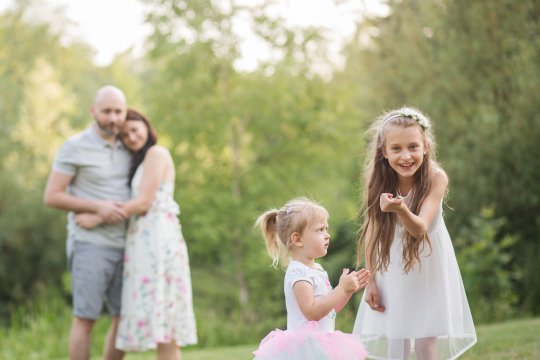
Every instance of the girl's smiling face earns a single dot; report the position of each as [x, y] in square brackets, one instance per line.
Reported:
[404, 149]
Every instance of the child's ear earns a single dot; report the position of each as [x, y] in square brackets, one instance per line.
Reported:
[426, 147]
[295, 240]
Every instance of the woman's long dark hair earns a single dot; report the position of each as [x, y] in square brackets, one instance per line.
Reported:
[138, 156]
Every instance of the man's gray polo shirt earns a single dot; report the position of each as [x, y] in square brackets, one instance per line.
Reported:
[100, 172]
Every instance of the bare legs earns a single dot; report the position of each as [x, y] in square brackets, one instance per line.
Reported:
[80, 337]
[399, 348]
[426, 348]
[110, 352]
[169, 351]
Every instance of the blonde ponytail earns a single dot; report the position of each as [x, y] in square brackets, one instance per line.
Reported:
[277, 226]
[268, 223]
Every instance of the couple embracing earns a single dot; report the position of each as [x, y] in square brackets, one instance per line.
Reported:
[125, 245]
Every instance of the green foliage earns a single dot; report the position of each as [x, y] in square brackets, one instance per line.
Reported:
[246, 142]
[485, 267]
[469, 65]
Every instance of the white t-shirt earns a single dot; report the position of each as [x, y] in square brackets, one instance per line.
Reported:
[318, 278]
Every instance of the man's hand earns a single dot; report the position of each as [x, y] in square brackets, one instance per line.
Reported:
[88, 220]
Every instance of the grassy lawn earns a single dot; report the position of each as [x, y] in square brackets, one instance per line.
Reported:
[518, 339]
[242, 352]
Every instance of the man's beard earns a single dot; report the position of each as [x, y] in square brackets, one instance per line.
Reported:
[106, 130]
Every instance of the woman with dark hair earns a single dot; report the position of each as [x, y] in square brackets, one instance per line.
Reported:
[157, 311]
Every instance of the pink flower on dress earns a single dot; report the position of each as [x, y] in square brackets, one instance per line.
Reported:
[145, 280]
[141, 323]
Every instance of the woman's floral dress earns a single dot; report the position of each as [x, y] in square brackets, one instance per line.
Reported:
[156, 294]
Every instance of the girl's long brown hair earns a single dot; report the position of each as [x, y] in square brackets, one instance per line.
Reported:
[377, 231]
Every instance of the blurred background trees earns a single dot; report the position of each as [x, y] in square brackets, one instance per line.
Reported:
[245, 141]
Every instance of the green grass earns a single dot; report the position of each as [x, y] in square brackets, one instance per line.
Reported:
[518, 339]
[45, 337]
[242, 352]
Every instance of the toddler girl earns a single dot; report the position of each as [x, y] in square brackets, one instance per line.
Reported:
[299, 230]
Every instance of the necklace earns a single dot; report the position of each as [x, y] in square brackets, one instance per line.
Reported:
[399, 196]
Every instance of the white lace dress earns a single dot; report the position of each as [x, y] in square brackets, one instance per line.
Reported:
[156, 294]
[428, 302]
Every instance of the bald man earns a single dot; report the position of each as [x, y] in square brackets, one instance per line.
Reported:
[90, 174]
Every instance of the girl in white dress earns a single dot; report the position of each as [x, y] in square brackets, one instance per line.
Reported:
[157, 311]
[414, 306]
[299, 230]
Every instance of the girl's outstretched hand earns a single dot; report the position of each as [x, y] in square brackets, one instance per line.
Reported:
[349, 281]
[390, 204]
[372, 297]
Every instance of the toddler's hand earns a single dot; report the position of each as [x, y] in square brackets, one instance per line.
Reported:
[363, 278]
[349, 281]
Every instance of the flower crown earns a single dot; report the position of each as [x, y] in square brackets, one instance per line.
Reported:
[412, 114]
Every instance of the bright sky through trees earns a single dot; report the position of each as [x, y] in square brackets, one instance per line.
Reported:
[115, 26]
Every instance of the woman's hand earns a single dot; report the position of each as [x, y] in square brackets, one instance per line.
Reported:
[88, 220]
[372, 297]
[390, 204]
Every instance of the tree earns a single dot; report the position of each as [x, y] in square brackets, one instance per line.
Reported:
[469, 66]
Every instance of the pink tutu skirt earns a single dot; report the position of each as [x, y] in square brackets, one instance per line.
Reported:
[309, 342]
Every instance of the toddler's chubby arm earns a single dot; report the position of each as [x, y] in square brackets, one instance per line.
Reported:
[315, 309]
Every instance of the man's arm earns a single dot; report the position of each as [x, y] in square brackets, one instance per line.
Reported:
[56, 196]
